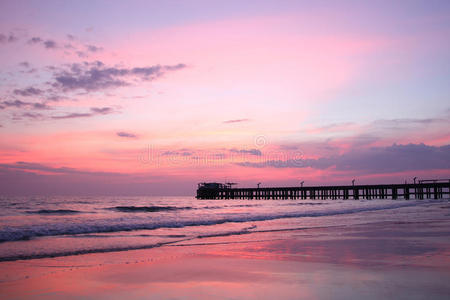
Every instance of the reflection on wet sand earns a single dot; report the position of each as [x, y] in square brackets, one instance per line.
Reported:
[371, 262]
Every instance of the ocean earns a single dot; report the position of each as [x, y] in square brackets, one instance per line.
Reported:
[40, 227]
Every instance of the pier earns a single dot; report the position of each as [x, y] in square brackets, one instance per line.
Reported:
[425, 189]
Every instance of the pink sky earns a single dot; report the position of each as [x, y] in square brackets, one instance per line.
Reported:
[117, 102]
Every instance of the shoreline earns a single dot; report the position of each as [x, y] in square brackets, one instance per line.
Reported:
[394, 260]
[167, 231]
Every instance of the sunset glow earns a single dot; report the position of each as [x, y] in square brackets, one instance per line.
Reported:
[107, 97]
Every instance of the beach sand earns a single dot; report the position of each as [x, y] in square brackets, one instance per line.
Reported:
[389, 260]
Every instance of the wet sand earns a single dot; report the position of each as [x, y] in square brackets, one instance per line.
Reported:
[390, 260]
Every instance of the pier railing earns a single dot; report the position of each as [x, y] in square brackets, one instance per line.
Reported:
[423, 190]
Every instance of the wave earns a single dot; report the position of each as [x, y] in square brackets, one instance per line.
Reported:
[303, 203]
[228, 233]
[147, 208]
[244, 205]
[55, 212]
[228, 206]
[82, 251]
[184, 238]
[15, 234]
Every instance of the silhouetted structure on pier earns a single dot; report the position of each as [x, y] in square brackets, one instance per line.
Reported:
[434, 189]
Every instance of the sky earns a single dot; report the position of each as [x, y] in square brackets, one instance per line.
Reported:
[152, 97]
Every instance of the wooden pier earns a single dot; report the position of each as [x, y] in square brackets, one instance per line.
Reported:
[433, 189]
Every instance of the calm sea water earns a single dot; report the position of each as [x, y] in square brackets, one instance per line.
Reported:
[35, 227]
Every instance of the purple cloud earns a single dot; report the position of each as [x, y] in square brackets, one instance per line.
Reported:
[43, 179]
[101, 110]
[236, 121]
[55, 98]
[72, 116]
[36, 167]
[8, 38]
[288, 147]
[247, 151]
[29, 115]
[93, 48]
[15, 103]
[25, 64]
[81, 54]
[50, 44]
[395, 158]
[21, 104]
[174, 67]
[93, 112]
[126, 135]
[40, 106]
[176, 153]
[35, 40]
[96, 76]
[30, 91]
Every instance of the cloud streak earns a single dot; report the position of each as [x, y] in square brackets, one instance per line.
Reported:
[30, 115]
[30, 91]
[247, 151]
[236, 121]
[395, 158]
[124, 134]
[36, 167]
[10, 38]
[97, 76]
[93, 112]
[93, 48]
[24, 104]
[73, 46]
[48, 44]
[176, 153]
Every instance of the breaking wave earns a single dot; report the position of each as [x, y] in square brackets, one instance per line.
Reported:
[55, 212]
[126, 224]
[147, 208]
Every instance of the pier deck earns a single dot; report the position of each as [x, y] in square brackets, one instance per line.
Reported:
[423, 190]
